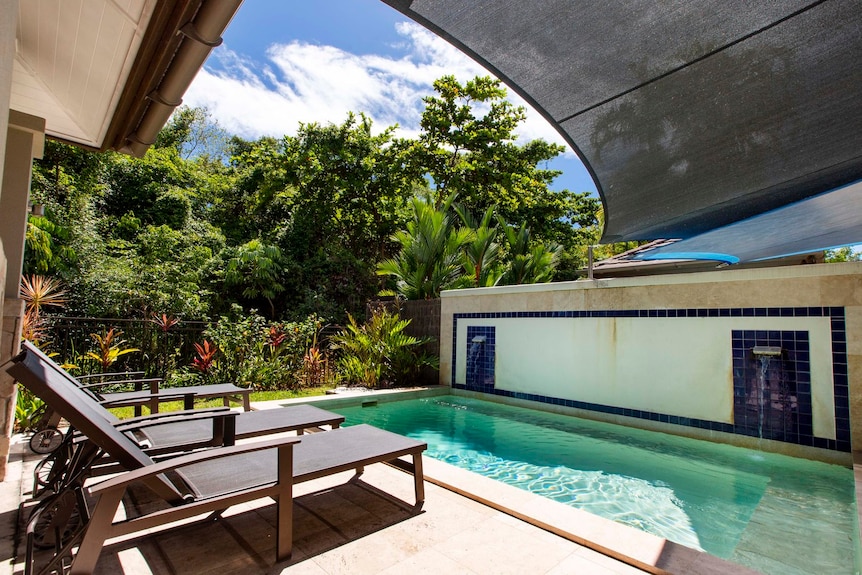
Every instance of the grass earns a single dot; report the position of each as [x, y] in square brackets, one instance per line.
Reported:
[127, 412]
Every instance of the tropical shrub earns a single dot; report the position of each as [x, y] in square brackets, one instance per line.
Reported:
[254, 352]
[109, 348]
[28, 410]
[378, 352]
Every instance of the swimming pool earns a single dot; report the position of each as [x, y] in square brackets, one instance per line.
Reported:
[770, 512]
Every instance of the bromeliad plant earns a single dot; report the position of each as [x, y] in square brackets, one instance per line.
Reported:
[378, 352]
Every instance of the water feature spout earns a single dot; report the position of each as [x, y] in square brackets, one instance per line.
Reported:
[766, 350]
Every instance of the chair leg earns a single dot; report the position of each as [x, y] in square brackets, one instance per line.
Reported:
[284, 504]
[418, 478]
[97, 531]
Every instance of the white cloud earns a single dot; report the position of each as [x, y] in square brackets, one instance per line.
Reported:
[302, 82]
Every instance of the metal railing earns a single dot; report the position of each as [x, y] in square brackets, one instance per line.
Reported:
[160, 350]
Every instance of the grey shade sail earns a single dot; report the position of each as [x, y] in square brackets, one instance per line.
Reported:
[690, 115]
[818, 223]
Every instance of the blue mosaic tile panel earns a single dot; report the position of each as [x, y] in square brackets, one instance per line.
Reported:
[799, 430]
[772, 394]
[481, 350]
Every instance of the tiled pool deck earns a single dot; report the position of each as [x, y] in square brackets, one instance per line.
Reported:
[469, 524]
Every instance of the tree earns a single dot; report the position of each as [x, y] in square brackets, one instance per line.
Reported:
[194, 134]
[430, 256]
[474, 154]
[257, 268]
[47, 250]
[330, 198]
[845, 254]
[482, 254]
[529, 262]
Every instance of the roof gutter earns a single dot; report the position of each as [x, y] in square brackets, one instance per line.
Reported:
[200, 36]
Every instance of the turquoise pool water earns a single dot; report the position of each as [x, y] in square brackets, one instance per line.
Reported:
[776, 514]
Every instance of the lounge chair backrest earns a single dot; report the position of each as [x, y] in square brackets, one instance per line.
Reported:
[47, 380]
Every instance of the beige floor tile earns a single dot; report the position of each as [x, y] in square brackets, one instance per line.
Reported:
[307, 567]
[497, 547]
[608, 562]
[580, 565]
[429, 561]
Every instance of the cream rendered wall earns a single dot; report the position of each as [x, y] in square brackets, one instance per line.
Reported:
[604, 360]
[674, 366]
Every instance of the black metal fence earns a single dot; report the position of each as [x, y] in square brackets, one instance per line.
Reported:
[161, 349]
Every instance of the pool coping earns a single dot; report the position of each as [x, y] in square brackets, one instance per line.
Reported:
[638, 548]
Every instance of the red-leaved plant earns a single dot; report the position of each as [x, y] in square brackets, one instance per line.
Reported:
[274, 338]
[165, 321]
[206, 356]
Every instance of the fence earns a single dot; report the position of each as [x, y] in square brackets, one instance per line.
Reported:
[424, 316]
[161, 350]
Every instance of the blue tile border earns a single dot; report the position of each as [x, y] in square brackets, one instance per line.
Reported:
[805, 436]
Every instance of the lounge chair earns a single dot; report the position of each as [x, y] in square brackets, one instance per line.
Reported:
[176, 432]
[191, 427]
[147, 391]
[207, 481]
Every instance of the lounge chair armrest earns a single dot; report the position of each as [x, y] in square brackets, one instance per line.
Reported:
[134, 476]
[121, 374]
[208, 411]
[173, 417]
[145, 400]
[150, 380]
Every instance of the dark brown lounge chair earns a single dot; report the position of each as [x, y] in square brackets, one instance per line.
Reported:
[207, 481]
[191, 429]
[147, 391]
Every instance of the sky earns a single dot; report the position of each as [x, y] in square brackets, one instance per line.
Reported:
[289, 61]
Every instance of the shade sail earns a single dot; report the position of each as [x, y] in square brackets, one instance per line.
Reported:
[690, 115]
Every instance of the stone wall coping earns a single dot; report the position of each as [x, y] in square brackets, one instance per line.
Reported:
[719, 276]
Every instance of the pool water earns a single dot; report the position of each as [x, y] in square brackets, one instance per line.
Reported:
[773, 513]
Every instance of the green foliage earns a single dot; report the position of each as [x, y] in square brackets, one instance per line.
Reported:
[435, 255]
[47, 250]
[430, 256]
[193, 133]
[468, 146]
[265, 355]
[482, 258]
[378, 352]
[298, 224]
[28, 410]
[528, 262]
[256, 268]
[845, 254]
[329, 198]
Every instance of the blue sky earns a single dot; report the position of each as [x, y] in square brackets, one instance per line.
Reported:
[290, 61]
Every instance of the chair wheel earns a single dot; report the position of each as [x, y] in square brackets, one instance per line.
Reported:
[46, 440]
[57, 520]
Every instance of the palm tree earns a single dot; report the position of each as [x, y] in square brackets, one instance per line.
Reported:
[430, 256]
[482, 255]
[528, 265]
